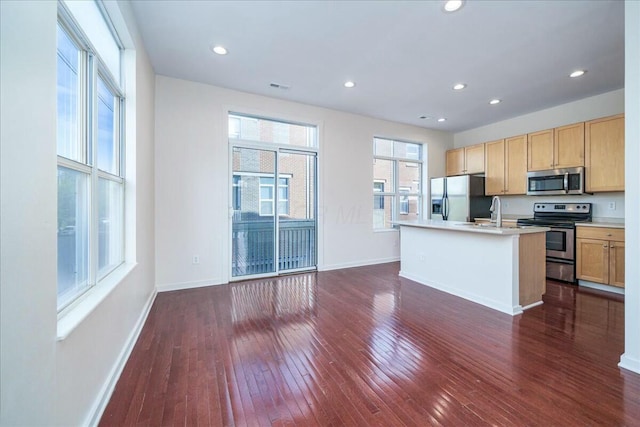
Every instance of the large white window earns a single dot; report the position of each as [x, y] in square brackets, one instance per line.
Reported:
[397, 174]
[90, 146]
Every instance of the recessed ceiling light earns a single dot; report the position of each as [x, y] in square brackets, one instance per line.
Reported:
[577, 73]
[452, 5]
[495, 101]
[349, 84]
[220, 50]
[442, 119]
[459, 86]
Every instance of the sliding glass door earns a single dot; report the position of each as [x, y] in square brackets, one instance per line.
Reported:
[296, 211]
[274, 211]
[253, 222]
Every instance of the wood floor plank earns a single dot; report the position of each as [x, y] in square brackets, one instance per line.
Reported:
[364, 347]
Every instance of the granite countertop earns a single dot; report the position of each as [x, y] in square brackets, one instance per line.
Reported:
[507, 217]
[603, 222]
[471, 227]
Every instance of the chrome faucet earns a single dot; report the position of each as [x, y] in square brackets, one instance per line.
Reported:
[496, 207]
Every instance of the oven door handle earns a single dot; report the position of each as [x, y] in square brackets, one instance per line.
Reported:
[566, 182]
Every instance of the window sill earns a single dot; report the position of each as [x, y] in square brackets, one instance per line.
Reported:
[71, 317]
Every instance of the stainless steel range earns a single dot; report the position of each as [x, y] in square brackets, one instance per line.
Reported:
[561, 239]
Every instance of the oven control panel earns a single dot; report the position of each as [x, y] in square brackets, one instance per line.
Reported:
[584, 208]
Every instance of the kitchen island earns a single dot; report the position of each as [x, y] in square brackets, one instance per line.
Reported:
[501, 268]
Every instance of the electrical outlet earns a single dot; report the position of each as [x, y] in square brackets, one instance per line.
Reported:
[612, 206]
[196, 259]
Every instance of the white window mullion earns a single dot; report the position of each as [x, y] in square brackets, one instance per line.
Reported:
[92, 121]
[276, 212]
[122, 169]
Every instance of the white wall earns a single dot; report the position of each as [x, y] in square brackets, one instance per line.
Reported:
[44, 381]
[594, 107]
[606, 104]
[631, 357]
[192, 180]
[28, 212]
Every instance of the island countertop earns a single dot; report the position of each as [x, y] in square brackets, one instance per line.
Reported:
[472, 227]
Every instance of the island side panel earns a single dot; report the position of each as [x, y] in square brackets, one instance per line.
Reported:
[476, 266]
[533, 268]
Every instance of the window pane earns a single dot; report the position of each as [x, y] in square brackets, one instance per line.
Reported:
[383, 173]
[110, 232]
[237, 192]
[406, 150]
[88, 15]
[73, 234]
[409, 208]
[382, 211]
[283, 207]
[68, 99]
[107, 139]
[266, 192]
[283, 193]
[409, 177]
[266, 208]
[264, 130]
[382, 147]
[234, 127]
[378, 202]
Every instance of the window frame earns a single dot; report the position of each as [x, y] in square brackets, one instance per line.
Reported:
[397, 193]
[91, 69]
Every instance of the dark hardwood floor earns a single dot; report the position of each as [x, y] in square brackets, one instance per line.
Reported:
[364, 347]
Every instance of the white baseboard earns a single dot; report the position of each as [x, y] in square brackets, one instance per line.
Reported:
[357, 263]
[104, 395]
[629, 363]
[167, 287]
[461, 293]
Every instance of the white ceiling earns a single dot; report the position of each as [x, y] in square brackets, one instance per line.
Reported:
[403, 55]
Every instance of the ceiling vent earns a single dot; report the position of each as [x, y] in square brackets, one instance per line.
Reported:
[279, 86]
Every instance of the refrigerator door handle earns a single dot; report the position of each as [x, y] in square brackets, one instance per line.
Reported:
[445, 208]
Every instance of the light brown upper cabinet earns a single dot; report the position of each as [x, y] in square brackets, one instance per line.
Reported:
[506, 166]
[466, 160]
[604, 154]
[455, 162]
[562, 147]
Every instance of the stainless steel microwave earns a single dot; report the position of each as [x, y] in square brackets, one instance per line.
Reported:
[555, 182]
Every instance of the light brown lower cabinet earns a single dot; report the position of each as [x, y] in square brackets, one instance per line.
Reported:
[600, 255]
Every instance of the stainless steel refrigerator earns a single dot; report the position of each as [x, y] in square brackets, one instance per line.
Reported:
[459, 198]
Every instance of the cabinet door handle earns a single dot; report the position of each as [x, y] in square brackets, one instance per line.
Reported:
[609, 234]
[612, 246]
[605, 246]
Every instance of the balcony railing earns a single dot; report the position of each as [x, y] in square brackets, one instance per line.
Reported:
[253, 246]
